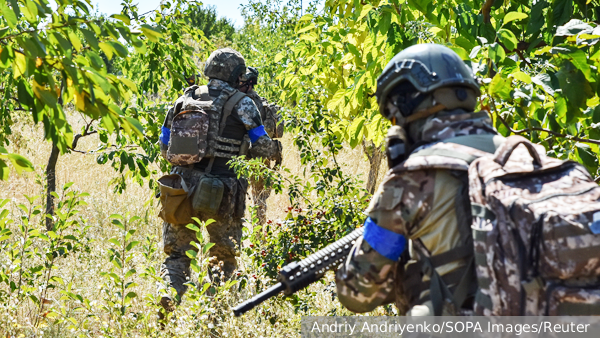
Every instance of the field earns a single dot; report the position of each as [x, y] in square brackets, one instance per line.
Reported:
[80, 299]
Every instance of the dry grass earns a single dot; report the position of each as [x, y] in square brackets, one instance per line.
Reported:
[83, 270]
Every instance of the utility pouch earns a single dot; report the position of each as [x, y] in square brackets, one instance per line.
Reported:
[174, 199]
[208, 195]
[245, 145]
[573, 301]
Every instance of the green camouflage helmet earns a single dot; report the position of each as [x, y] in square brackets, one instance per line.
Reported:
[422, 69]
[225, 64]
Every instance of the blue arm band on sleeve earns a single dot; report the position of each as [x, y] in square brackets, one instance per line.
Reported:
[257, 132]
[165, 135]
[384, 241]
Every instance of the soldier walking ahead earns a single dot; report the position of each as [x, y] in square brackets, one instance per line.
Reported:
[205, 128]
[271, 117]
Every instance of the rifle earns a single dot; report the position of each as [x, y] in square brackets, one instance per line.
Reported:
[298, 275]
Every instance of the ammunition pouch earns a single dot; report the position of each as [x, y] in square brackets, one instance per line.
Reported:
[208, 195]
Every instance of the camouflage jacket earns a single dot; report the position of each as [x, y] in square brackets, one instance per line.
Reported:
[245, 117]
[420, 204]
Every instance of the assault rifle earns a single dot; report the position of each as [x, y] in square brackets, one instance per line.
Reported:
[298, 275]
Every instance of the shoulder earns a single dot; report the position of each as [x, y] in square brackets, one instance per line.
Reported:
[246, 105]
[404, 187]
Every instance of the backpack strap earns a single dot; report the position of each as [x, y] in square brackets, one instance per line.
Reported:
[228, 108]
[202, 93]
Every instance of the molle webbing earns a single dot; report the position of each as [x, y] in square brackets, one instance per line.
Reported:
[223, 146]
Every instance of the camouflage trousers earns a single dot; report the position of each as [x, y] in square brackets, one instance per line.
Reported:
[225, 233]
[260, 193]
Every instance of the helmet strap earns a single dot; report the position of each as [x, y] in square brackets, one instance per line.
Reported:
[421, 114]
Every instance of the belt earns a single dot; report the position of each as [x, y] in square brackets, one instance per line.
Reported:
[191, 172]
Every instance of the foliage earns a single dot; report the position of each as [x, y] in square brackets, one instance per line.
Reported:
[205, 19]
[107, 69]
[528, 56]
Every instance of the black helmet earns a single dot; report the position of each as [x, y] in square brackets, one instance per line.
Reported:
[251, 76]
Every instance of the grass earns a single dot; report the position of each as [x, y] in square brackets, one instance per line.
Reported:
[83, 299]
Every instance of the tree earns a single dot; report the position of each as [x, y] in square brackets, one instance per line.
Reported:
[52, 60]
[528, 56]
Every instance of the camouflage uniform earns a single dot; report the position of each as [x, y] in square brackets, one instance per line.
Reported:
[260, 192]
[422, 205]
[226, 232]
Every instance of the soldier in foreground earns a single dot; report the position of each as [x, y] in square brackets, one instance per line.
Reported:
[273, 126]
[429, 95]
[222, 123]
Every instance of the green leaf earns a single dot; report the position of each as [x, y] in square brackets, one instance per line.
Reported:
[587, 157]
[20, 163]
[107, 48]
[512, 16]
[130, 295]
[562, 11]
[131, 245]
[543, 80]
[207, 247]
[579, 60]
[152, 33]
[122, 17]
[461, 52]
[8, 14]
[508, 39]
[573, 27]
[3, 170]
[519, 75]
[500, 87]
[19, 65]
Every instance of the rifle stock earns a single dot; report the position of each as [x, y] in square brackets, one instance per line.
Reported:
[298, 275]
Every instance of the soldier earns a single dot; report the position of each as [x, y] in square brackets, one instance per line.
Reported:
[273, 126]
[422, 207]
[242, 122]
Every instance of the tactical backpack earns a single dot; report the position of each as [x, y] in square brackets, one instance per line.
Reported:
[272, 120]
[536, 228]
[535, 223]
[197, 125]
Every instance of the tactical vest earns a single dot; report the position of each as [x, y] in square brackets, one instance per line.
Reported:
[197, 125]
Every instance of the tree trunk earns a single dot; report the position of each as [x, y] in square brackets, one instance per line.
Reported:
[375, 156]
[51, 180]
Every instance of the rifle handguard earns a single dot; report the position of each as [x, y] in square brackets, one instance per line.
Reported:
[298, 275]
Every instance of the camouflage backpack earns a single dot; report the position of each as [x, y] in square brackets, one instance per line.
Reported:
[536, 229]
[197, 124]
[535, 223]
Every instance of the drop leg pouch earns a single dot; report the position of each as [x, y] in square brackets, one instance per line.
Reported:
[176, 207]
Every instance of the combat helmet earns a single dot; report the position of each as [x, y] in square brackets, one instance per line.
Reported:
[251, 76]
[422, 76]
[225, 64]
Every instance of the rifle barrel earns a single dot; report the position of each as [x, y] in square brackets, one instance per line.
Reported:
[261, 297]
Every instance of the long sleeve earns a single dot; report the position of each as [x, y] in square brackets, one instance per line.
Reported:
[262, 144]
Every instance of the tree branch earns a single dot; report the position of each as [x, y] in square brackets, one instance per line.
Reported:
[486, 9]
[570, 137]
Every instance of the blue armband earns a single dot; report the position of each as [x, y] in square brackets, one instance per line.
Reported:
[165, 135]
[384, 241]
[257, 132]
